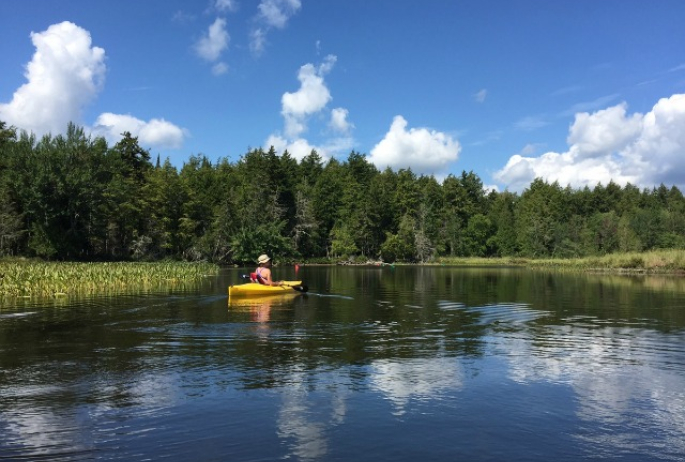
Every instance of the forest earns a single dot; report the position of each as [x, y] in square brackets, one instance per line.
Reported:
[72, 197]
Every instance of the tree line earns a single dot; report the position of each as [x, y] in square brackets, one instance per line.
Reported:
[73, 197]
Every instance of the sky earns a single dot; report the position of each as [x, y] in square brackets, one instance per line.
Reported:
[581, 92]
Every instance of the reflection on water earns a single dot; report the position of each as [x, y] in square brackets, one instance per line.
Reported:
[627, 383]
[475, 364]
[260, 307]
[304, 421]
[418, 379]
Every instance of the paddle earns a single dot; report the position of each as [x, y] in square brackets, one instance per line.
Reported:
[299, 288]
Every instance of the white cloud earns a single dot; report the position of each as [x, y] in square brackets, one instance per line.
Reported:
[530, 149]
[297, 108]
[276, 13]
[609, 145]
[65, 74]
[210, 46]
[424, 151]
[313, 95]
[156, 132]
[661, 145]
[298, 148]
[339, 122]
[310, 98]
[337, 146]
[272, 13]
[604, 131]
[481, 95]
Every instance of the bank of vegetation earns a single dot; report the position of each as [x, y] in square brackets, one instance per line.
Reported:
[23, 278]
[671, 261]
[71, 197]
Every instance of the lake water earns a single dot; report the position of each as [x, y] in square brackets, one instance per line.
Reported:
[374, 364]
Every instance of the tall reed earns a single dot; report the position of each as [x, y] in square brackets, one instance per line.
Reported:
[29, 278]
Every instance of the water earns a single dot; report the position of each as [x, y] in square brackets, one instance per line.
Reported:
[402, 364]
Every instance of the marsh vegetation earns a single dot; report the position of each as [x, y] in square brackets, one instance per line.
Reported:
[25, 278]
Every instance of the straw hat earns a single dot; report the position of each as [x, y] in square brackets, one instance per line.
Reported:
[263, 258]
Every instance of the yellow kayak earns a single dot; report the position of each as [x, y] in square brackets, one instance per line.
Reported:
[250, 289]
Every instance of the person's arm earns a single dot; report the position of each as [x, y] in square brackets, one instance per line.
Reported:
[266, 276]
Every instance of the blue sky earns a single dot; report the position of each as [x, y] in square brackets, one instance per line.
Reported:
[581, 92]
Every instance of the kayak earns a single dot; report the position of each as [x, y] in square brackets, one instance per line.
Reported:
[251, 289]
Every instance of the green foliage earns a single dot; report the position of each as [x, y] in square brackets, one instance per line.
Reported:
[73, 197]
[476, 236]
[342, 242]
[402, 245]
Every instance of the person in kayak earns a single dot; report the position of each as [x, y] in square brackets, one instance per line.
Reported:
[263, 272]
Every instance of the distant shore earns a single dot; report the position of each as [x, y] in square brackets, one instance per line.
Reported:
[654, 262]
[657, 262]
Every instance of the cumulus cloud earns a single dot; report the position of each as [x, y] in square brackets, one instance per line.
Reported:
[271, 14]
[610, 145]
[211, 45]
[298, 148]
[424, 151]
[661, 143]
[276, 13]
[604, 131]
[339, 122]
[65, 74]
[155, 132]
[312, 96]
[309, 100]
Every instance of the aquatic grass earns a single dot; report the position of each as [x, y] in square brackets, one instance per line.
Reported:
[655, 261]
[480, 261]
[25, 278]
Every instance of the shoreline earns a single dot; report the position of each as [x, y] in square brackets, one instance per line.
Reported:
[26, 278]
[652, 262]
